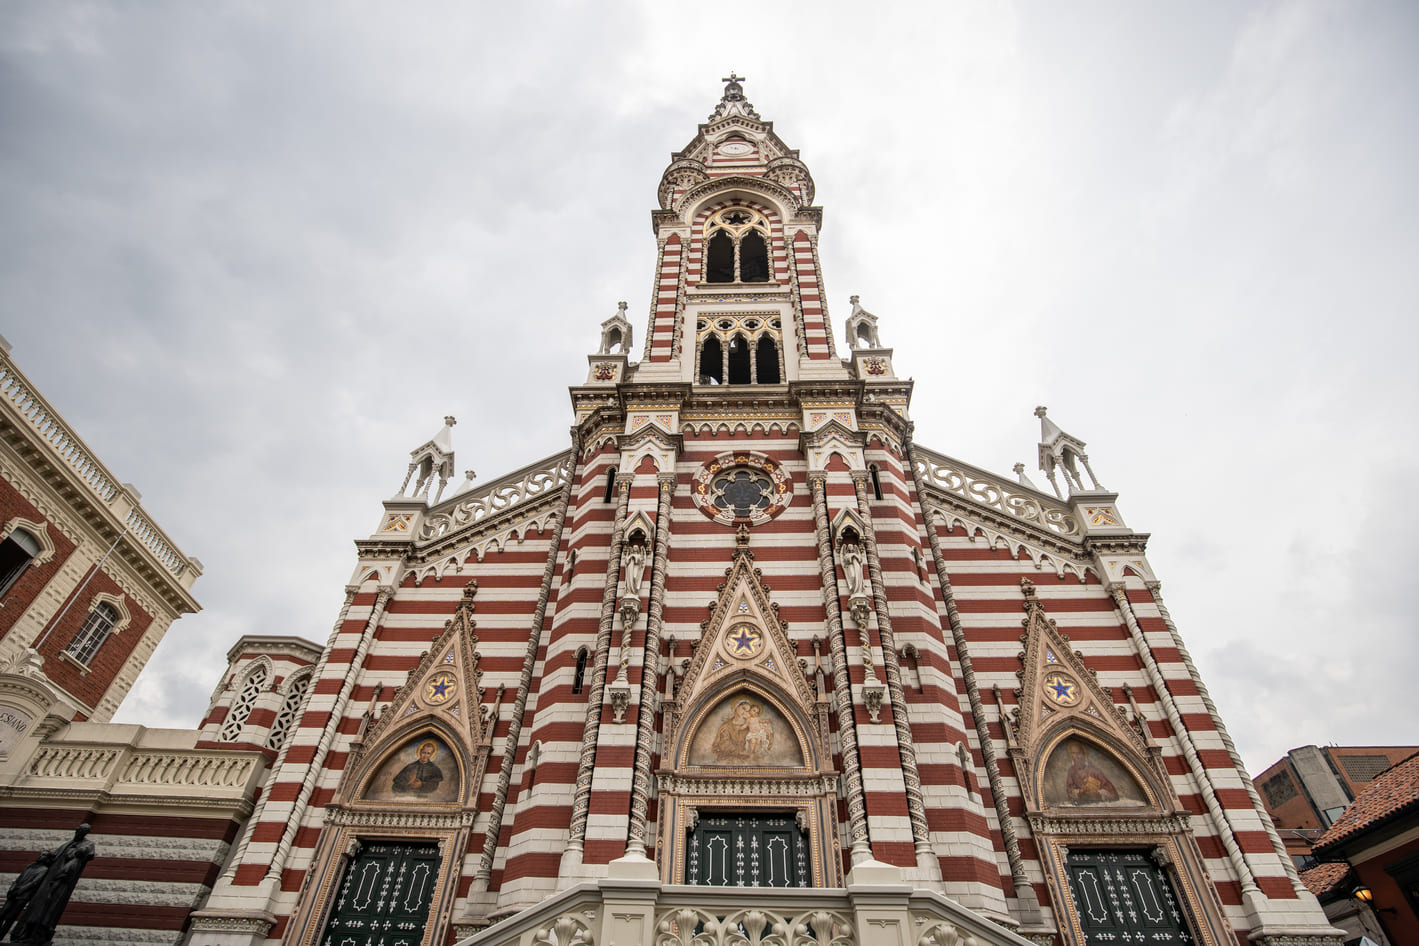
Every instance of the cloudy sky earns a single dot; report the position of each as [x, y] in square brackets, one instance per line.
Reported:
[255, 252]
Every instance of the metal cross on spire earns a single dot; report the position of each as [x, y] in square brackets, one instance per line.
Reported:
[733, 102]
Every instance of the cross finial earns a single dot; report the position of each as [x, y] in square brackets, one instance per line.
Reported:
[733, 78]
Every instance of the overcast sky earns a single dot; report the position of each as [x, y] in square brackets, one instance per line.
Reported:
[255, 252]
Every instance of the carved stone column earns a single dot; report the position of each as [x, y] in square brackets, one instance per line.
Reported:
[581, 805]
[1251, 893]
[1028, 903]
[1156, 589]
[916, 804]
[842, 683]
[650, 670]
[524, 683]
[229, 874]
[327, 737]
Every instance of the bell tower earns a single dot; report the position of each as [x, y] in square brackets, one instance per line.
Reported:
[738, 297]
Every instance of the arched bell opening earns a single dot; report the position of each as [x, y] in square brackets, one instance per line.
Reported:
[711, 361]
[740, 361]
[753, 258]
[766, 361]
[719, 258]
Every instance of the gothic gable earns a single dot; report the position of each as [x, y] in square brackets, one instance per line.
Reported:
[441, 700]
[1063, 715]
[744, 654]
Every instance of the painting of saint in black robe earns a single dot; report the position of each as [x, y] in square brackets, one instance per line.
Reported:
[423, 770]
[422, 776]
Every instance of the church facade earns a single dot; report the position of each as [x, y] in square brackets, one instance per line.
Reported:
[747, 633]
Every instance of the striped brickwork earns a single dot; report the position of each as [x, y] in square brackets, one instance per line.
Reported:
[916, 678]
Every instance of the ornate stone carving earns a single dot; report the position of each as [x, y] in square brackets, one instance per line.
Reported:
[982, 488]
[873, 694]
[499, 496]
[566, 930]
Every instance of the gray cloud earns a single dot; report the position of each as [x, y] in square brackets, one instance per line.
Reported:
[254, 253]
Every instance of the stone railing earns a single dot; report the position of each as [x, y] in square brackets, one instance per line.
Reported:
[978, 486]
[167, 765]
[28, 409]
[536, 479]
[629, 912]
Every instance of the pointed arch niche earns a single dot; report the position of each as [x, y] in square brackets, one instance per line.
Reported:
[1099, 800]
[409, 792]
[746, 740]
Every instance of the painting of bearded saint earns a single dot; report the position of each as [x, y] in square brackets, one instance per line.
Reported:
[745, 731]
[1077, 774]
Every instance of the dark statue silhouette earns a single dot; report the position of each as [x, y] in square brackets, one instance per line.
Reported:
[41, 892]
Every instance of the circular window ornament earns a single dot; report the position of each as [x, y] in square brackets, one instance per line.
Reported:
[1061, 689]
[439, 688]
[742, 487]
[745, 641]
[736, 148]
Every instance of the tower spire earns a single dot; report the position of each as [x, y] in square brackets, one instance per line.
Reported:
[733, 102]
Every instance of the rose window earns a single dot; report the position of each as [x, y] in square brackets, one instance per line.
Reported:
[743, 491]
[742, 485]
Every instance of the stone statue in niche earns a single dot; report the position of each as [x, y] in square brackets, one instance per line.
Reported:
[854, 560]
[634, 561]
[40, 917]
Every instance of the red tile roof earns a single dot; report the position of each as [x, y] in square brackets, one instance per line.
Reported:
[1391, 793]
[1323, 878]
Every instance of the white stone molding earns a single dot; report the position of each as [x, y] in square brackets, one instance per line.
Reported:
[533, 481]
[987, 491]
[40, 534]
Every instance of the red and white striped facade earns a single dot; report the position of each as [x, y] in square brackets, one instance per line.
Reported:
[919, 703]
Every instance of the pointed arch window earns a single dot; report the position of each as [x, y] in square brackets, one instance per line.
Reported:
[242, 706]
[286, 718]
[736, 242]
[740, 349]
[579, 680]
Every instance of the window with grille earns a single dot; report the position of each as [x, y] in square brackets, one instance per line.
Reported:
[241, 707]
[1364, 768]
[97, 626]
[286, 719]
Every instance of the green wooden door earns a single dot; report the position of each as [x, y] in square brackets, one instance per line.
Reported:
[747, 850]
[1123, 897]
[384, 897]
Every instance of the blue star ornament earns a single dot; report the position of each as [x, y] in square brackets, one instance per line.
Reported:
[441, 688]
[1062, 690]
[742, 641]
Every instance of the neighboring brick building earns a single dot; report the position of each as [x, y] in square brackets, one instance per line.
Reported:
[1310, 787]
[88, 586]
[1377, 838]
[747, 631]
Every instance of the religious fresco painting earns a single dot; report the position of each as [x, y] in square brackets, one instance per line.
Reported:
[423, 771]
[1079, 774]
[745, 730]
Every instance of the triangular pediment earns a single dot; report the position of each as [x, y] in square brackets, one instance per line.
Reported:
[444, 689]
[744, 635]
[1056, 686]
